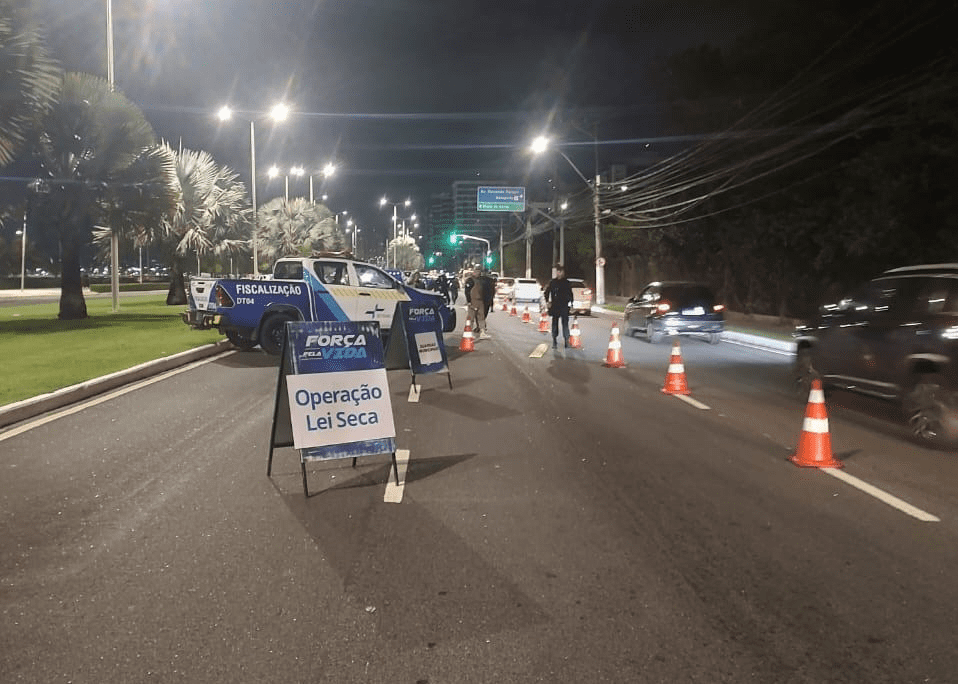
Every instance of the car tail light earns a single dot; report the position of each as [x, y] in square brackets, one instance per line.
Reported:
[663, 307]
[718, 308]
[222, 298]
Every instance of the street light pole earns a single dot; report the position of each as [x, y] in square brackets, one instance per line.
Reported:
[539, 145]
[23, 248]
[252, 188]
[114, 238]
[599, 259]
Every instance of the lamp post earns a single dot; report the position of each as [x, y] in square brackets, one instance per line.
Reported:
[540, 144]
[382, 203]
[327, 172]
[455, 237]
[279, 112]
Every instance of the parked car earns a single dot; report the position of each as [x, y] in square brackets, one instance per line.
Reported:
[504, 287]
[675, 308]
[581, 297]
[526, 290]
[895, 338]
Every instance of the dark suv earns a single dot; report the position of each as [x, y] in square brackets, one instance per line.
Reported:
[896, 338]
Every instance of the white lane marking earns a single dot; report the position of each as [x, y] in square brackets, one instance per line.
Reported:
[539, 351]
[414, 391]
[394, 491]
[882, 495]
[689, 400]
[76, 408]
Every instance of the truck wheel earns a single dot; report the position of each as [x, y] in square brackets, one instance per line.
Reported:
[239, 340]
[932, 413]
[272, 333]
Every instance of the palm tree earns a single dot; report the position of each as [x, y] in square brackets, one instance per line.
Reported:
[296, 226]
[29, 80]
[211, 217]
[99, 155]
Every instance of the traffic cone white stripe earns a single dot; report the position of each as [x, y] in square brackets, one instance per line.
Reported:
[816, 396]
[819, 426]
[615, 344]
[676, 368]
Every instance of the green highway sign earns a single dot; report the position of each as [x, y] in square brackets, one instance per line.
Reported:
[497, 198]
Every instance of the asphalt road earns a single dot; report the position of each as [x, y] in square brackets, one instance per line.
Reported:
[559, 522]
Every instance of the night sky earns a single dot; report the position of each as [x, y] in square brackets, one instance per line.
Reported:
[406, 95]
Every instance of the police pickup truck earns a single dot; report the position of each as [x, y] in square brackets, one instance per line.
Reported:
[318, 288]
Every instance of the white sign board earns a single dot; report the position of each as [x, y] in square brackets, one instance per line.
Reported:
[339, 407]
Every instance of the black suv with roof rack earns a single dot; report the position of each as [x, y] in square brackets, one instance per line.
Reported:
[895, 338]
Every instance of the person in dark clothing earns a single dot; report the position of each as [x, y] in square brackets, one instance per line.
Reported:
[488, 291]
[453, 289]
[442, 287]
[559, 297]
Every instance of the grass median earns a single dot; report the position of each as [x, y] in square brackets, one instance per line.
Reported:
[41, 353]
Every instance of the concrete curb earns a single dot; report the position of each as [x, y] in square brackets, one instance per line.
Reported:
[28, 408]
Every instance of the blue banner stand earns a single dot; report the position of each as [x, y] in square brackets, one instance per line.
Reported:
[417, 342]
[303, 354]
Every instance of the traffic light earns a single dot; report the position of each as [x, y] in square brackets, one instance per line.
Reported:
[431, 261]
[453, 239]
[489, 260]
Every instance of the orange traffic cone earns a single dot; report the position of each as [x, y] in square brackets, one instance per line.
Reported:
[675, 378]
[575, 341]
[543, 322]
[467, 343]
[513, 311]
[505, 305]
[815, 445]
[613, 358]
[526, 318]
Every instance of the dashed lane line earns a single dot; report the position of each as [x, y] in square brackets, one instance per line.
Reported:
[882, 495]
[394, 491]
[692, 402]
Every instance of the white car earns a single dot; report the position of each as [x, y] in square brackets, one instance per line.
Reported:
[581, 297]
[504, 287]
[527, 290]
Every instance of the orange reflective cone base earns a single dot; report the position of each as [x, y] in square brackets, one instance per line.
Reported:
[613, 357]
[815, 443]
[467, 343]
[543, 322]
[675, 382]
[513, 312]
[526, 318]
[575, 335]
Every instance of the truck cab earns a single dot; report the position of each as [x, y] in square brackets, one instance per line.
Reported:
[323, 287]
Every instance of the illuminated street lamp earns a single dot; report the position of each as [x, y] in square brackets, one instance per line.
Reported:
[327, 172]
[541, 144]
[279, 112]
[382, 203]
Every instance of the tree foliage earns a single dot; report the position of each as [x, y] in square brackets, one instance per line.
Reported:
[296, 227]
[837, 139]
[98, 156]
[29, 80]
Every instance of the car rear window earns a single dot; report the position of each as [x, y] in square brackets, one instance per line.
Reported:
[689, 295]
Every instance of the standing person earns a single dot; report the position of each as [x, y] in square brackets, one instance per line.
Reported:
[453, 289]
[488, 291]
[442, 286]
[559, 297]
[475, 301]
